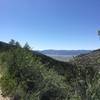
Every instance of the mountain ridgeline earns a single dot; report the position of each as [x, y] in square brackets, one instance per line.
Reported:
[65, 52]
[31, 75]
[63, 55]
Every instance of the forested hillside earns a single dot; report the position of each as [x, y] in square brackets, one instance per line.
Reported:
[30, 75]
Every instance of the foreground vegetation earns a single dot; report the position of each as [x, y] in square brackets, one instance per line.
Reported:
[29, 75]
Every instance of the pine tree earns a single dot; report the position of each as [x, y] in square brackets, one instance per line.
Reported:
[12, 42]
[26, 46]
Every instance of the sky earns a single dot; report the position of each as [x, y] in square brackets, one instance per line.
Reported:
[51, 24]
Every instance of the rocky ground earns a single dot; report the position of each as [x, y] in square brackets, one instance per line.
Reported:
[3, 98]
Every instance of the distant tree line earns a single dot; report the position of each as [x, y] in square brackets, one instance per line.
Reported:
[17, 44]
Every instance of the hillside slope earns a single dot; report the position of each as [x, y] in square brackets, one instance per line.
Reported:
[88, 75]
[32, 72]
[30, 75]
[60, 66]
[91, 59]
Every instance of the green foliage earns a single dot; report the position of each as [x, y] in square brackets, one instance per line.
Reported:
[88, 80]
[27, 75]
[7, 85]
[23, 72]
[17, 44]
[22, 68]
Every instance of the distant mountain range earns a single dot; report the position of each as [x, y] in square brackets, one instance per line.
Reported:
[64, 52]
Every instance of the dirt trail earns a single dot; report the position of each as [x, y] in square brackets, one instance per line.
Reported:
[3, 98]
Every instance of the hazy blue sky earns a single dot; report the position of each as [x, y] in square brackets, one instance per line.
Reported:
[51, 24]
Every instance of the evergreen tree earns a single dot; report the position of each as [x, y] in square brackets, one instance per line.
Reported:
[12, 42]
[18, 44]
[26, 46]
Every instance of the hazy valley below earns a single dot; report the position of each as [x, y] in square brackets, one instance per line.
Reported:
[64, 55]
